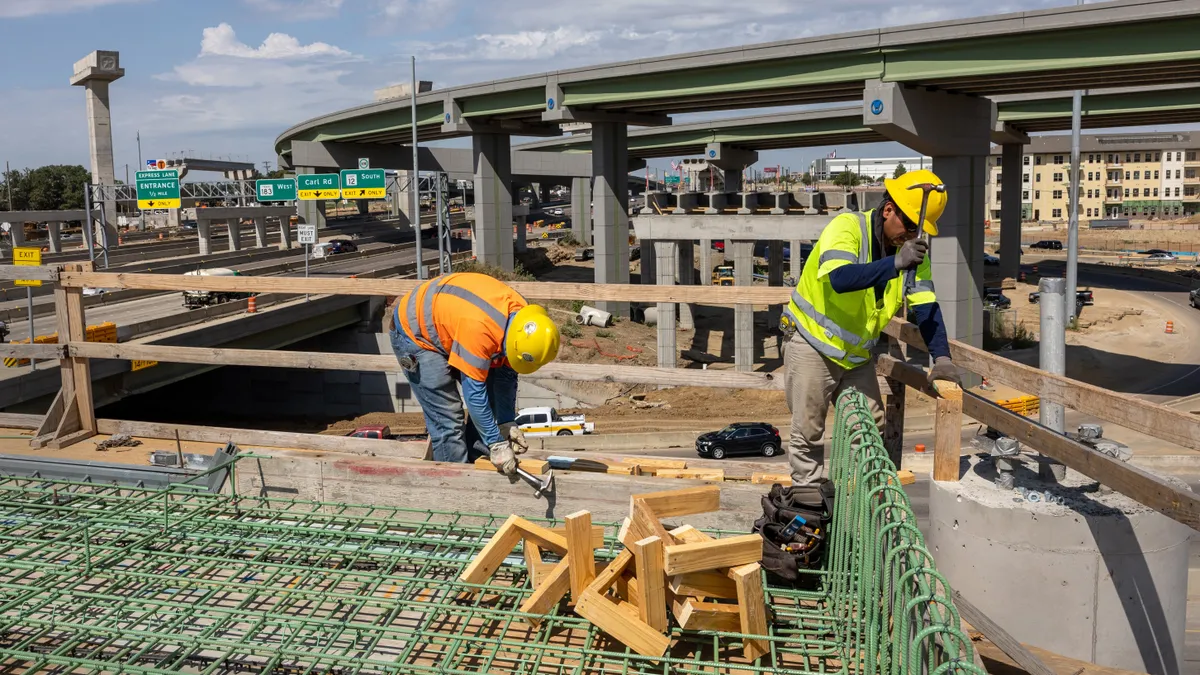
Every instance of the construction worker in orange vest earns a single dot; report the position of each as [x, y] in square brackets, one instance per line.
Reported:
[475, 331]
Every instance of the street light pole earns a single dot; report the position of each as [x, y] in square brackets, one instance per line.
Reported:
[414, 182]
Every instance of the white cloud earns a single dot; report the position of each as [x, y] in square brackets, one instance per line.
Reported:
[298, 10]
[24, 8]
[222, 41]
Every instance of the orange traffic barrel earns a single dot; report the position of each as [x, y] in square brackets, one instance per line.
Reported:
[252, 305]
[920, 447]
[1170, 327]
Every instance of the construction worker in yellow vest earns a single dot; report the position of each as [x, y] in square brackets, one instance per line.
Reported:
[860, 272]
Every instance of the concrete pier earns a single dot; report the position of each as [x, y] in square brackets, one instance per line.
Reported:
[233, 228]
[1010, 211]
[685, 271]
[285, 232]
[204, 235]
[54, 234]
[666, 255]
[581, 210]
[95, 72]
[743, 315]
[493, 199]
[260, 232]
[610, 216]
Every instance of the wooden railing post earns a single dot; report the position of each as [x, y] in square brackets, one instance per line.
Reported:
[893, 416]
[71, 417]
[947, 432]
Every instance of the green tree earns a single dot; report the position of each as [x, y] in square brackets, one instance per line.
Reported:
[900, 170]
[807, 178]
[847, 179]
[46, 188]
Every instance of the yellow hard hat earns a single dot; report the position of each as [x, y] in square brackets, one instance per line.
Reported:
[532, 339]
[908, 199]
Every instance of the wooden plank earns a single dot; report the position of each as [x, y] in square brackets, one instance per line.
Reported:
[488, 560]
[269, 439]
[70, 439]
[629, 631]
[580, 554]
[684, 502]
[65, 433]
[597, 534]
[752, 609]
[1007, 643]
[653, 462]
[711, 295]
[693, 614]
[33, 272]
[651, 586]
[708, 584]
[686, 534]
[548, 594]
[605, 579]
[947, 433]
[768, 478]
[1146, 488]
[893, 421]
[47, 352]
[692, 474]
[906, 477]
[543, 537]
[534, 466]
[1125, 410]
[80, 367]
[711, 555]
[643, 523]
[54, 413]
[533, 563]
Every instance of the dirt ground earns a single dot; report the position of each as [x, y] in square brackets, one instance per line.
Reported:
[1175, 235]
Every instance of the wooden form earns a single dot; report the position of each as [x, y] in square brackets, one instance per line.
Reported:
[536, 466]
[718, 553]
[947, 433]
[687, 502]
[1002, 639]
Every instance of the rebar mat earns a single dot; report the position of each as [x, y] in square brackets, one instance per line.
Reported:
[111, 579]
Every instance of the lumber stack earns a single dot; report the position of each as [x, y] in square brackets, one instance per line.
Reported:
[682, 574]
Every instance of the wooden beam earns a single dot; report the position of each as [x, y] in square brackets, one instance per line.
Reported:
[535, 466]
[580, 554]
[487, 561]
[687, 534]
[54, 413]
[605, 579]
[533, 563]
[643, 523]
[693, 614]
[947, 432]
[627, 630]
[708, 584]
[1007, 643]
[597, 535]
[40, 272]
[548, 594]
[269, 439]
[42, 352]
[68, 431]
[893, 414]
[751, 608]
[685, 502]
[692, 474]
[67, 440]
[762, 478]
[80, 367]
[1125, 410]
[710, 555]
[651, 587]
[543, 537]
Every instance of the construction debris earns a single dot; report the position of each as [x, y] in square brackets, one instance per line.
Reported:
[117, 441]
[704, 583]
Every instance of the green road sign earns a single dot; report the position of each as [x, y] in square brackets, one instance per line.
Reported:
[311, 186]
[158, 189]
[275, 189]
[672, 180]
[364, 184]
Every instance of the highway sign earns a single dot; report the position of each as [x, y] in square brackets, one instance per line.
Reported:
[306, 233]
[27, 256]
[275, 189]
[158, 189]
[156, 164]
[364, 162]
[311, 186]
[672, 180]
[364, 184]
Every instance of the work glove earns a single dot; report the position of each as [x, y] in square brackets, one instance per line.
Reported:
[944, 369]
[513, 433]
[911, 254]
[503, 458]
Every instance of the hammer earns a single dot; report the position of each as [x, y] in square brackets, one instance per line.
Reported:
[925, 188]
[539, 486]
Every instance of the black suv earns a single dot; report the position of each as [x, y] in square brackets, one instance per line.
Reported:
[740, 438]
[994, 297]
[1048, 244]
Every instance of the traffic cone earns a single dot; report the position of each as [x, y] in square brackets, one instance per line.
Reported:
[1021, 277]
[252, 305]
[1170, 327]
[1035, 269]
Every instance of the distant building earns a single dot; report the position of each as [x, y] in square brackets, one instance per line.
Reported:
[875, 167]
[1150, 175]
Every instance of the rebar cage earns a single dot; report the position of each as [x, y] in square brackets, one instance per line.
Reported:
[107, 579]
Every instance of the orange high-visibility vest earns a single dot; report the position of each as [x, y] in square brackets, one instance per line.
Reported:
[463, 317]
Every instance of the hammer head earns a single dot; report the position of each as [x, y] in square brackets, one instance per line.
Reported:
[928, 187]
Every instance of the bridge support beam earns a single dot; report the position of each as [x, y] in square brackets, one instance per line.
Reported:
[285, 232]
[665, 255]
[233, 228]
[956, 131]
[743, 315]
[685, 270]
[310, 212]
[492, 154]
[54, 233]
[204, 235]
[610, 215]
[1010, 211]
[260, 232]
[581, 210]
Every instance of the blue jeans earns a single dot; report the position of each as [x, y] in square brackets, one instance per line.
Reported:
[435, 385]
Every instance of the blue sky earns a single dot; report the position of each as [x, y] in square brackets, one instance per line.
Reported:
[223, 78]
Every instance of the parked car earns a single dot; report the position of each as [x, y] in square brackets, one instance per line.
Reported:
[1194, 298]
[342, 246]
[994, 297]
[375, 431]
[1048, 244]
[740, 438]
[1153, 251]
[989, 259]
[557, 211]
[1081, 298]
[1161, 257]
[547, 422]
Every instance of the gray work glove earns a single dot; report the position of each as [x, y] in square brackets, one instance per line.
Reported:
[512, 433]
[911, 254]
[944, 369]
[503, 458]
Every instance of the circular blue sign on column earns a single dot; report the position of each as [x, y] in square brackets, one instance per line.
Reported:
[712, 153]
[447, 118]
[549, 104]
[876, 107]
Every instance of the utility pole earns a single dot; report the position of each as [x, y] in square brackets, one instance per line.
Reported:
[8, 184]
[413, 186]
[1072, 275]
[139, 141]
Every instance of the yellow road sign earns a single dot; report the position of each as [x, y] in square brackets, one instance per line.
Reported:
[140, 365]
[159, 203]
[27, 282]
[364, 193]
[27, 255]
[319, 194]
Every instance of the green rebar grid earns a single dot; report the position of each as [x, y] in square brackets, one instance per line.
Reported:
[107, 579]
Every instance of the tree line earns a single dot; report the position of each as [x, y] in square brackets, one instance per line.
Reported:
[46, 188]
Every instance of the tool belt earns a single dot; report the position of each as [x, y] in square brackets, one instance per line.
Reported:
[795, 530]
[787, 326]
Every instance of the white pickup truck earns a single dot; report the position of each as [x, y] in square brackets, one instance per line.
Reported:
[547, 422]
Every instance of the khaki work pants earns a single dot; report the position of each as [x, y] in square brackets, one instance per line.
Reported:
[812, 383]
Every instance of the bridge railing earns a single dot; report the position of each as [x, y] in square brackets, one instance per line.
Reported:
[72, 415]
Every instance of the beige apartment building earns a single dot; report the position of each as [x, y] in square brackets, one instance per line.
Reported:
[1143, 176]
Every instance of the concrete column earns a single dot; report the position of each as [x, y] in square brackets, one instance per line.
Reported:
[649, 262]
[204, 235]
[543, 192]
[774, 278]
[17, 233]
[260, 232]
[731, 179]
[957, 252]
[285, 232]
[311, 212]
[363, 205]
[92, 74]
[581, 210]
[521, 223]
[493, 199]
[704, 262]
[685, 271]
[174, 218]
[666, 254]
[610, 217]
[743, 315]
[233, 228]
[54, 233]
[797, 261]
[1010, 211]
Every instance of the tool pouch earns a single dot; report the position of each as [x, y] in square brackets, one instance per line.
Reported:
[780, 507]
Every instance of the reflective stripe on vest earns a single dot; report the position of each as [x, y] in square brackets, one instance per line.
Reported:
[924, 285]
[462, 353]
[426, 336]
[824, 348]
